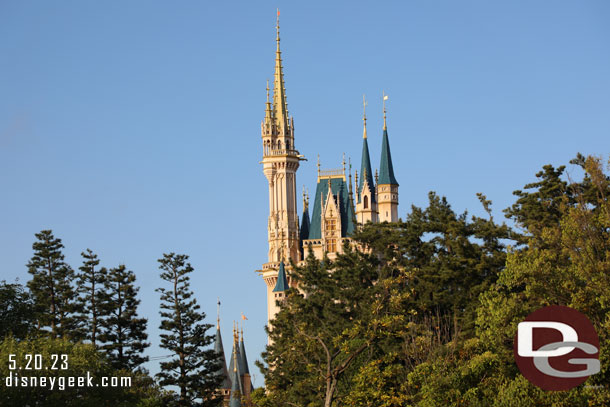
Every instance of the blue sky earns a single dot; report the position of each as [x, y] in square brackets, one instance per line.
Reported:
[133, 128]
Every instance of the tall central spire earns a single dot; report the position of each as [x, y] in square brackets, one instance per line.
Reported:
[280, 107]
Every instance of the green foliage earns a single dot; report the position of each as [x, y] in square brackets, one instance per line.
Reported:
[51, 286]
[123, 332]
[193, 368]
[437, 299]
[92, 298]
[82, 360]
[17, 311]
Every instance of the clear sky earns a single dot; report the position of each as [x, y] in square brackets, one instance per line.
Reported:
[133, 128]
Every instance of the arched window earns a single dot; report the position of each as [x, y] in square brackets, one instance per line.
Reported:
[366, 202]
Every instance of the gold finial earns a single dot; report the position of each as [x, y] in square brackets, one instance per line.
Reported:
[268, 92]
[351, 194]
[278, 29]
[243, 321]
[318, 165]
[235, 344]
[376, 177]
[385, 97]
[218, 314]
[343, 164]
[364, 114]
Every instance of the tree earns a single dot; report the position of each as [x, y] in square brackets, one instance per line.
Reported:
[357, 326]
[91, 301]
[193, 368]
[51, 285]
[124, 333]
[81, 360]
[17, 311]
[565, 260]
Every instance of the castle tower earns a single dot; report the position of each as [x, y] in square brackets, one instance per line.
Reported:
[225, 388]
[236, 384]
[366, 205]
[280, 164]
[387, 186]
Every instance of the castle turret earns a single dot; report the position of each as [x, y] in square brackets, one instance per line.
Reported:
[366, 205]
[387, 186]
[225, 386]
[280, 164]
[236, 388]
[305, 223]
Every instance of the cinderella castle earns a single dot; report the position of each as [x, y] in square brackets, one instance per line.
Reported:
[338, 209]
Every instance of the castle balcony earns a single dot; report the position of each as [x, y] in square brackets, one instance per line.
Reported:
[281, 152]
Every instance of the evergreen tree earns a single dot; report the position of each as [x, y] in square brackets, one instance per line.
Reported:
[193, 369]
[124, 333]
[17, 312]
[51, 285]
[91, 301]
[370, 317]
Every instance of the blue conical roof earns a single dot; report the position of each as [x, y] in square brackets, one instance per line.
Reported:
[282, 281]
[243, 361]
[386, 169]
[235, 400]
[305, 222]
[366, 171]
[219, 349]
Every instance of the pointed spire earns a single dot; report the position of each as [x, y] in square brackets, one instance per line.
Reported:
[235, 365]
[282, 281]
[366, 173]
[219, 349]
[235, 400]
[305, 221]
[280, 108]
[350, 176]
[242, 354]
[386, 169]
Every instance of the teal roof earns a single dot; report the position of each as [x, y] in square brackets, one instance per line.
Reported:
[235, 354]
[235, 400]
[304, 233]
[219, 349]
[365, 169]
[243, 361]
[282, 281]
[339, 190]
[386, 170]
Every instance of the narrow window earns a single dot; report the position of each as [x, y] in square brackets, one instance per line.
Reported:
[366, 202]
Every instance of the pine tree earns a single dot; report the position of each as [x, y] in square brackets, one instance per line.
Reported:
[91, 300]
[51, 285]
[193, 368]
[17, 312]
[124, 333]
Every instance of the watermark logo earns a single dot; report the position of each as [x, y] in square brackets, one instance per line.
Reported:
[556, 348]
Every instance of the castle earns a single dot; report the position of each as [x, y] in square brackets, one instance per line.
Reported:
[337, 212]
[337, 208]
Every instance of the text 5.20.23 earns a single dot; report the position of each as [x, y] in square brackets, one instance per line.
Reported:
[35, 361]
